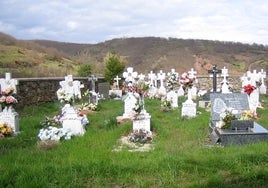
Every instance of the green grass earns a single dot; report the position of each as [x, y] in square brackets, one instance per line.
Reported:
[181, 155]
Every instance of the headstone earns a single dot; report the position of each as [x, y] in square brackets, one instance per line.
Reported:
[161, 77]
[117, 79]
[72, 121]
[214, 73]
[129, 104]
[173, 97]
[8, 82]
[103, 89]
[263, 87]
[70, 87]
[225, 83]
[238, 102]
[180, 91]
[188, 109]
[142, 123]
[152, 79]
[130, 76]
[9, 115]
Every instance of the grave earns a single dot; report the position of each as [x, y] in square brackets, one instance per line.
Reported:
[172, 96]
[9, 115]
[263, 87]
[93, 97]
[161, 76]
[234, 135]
[71, 120]
[103, 90]
[116, 92]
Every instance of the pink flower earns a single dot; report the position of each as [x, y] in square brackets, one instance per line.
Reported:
[10, 100]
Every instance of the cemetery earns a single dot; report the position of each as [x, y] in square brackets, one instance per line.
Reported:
[155, 129]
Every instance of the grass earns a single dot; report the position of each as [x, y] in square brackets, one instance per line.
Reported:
[182, 156]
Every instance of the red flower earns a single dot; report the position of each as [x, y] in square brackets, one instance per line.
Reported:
[249, 89]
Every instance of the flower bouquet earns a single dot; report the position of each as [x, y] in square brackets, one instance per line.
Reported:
[7, 99]
[186, 80]
[5, 130]
[249, 88]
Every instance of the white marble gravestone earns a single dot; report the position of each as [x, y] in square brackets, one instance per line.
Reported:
[142, 123]
[9, 115]
[116, 92]
[161, 76]
[172, 96]
[263, 87]
[225, 83]
[152, 79]
[129, 104]
[72, 121]
[188, 109]
[180, 91]
[8, 82]
[71, 88]
[130, 76]
[193, 90]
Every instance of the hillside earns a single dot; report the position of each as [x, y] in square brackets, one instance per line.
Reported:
[29, 59]
[151, 53]
[50, 58]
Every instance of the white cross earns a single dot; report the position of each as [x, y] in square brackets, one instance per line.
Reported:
[117, 81]
[192, 73]
[130, 75]
[141, 76]
[173, 72]
[70, 87]
[254, 77]
[262, 75]
[8, 82]
[224, 74]
[161, 76]
[152, 78]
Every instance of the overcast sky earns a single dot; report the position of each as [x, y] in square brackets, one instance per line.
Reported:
[93, 21]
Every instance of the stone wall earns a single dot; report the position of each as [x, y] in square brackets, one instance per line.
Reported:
[205, 83]
[33, 91]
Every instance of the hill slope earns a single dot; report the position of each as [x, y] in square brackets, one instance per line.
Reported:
[29, 59]
[50, 58]
[152, 53]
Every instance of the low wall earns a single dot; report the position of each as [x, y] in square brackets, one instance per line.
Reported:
[33, 91]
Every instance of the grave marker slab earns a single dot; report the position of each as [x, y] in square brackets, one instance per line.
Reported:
[239, 102]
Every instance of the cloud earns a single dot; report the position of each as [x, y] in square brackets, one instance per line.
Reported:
[90, 21]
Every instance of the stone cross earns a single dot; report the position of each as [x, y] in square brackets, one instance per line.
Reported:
[161, 76]
[214, 72]
[117, 81]
[8, 82]
[92, 80]
[130, 75]
[224, 73]
[152, 78]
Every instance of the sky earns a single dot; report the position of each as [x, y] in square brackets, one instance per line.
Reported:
[94, 21]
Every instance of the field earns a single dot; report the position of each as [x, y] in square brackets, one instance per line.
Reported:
[182, 154]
